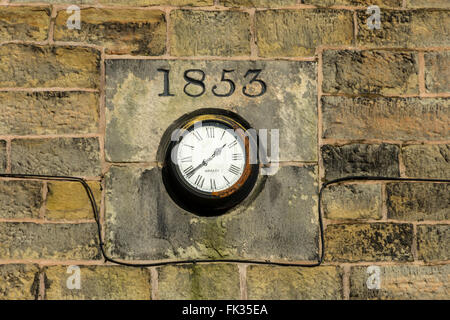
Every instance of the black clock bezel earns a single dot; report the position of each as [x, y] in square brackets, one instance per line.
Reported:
[179, 174]
[204, 203]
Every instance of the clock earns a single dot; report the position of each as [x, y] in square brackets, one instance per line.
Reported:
[211, 165]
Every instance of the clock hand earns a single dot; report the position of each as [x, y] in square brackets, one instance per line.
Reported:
[191, 173]
[217, 152]
[204, 163]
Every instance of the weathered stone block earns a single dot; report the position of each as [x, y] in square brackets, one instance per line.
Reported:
[20, 199]
[437, 71]
[278, 221]
[364, 3]
[48, 241]
[24, 23]
[69, 200]
[418, 201]
[209, 33]
[427, 161]
[275, 283]
[433, 242]
[120, 31]
[403, 282]
[28, 65]
[299, 32]
[59, 156]
[137, 116]
[99, 283]
[199, 282]
[405, 29]
[427, 4]
[24, 113]
[257, 3]
[19, 282]
[158, 2]
[360, 160]
[370, 72]
[357, 201]
[369, 242]
[385, 118]
[2, 156]
[55, 1]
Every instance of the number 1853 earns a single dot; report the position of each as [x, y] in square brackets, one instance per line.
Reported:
[195, 84]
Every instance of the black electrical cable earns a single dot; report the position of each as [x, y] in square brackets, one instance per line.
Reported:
[193, 261]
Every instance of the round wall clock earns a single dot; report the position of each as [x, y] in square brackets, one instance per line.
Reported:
[208, 169]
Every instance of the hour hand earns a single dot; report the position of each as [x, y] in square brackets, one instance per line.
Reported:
[193, 171]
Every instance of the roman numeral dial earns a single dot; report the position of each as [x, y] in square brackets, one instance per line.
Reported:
[234, 169]
[208, 168]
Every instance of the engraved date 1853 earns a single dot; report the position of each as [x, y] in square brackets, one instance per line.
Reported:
[196, 87]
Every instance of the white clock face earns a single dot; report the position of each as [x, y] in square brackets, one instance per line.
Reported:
[211, 157]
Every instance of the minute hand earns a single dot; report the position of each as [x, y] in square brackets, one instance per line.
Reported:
[206, 161]
[216, 153]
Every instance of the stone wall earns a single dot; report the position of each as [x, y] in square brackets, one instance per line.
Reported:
[369, 102]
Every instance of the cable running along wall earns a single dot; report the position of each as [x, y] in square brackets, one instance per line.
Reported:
[267, 262]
